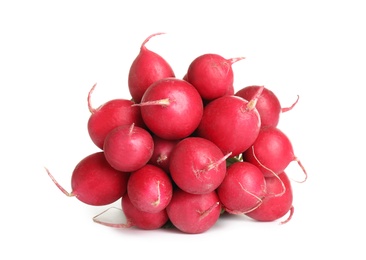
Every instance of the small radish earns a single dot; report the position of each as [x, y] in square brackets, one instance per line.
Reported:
[242, 189]
[132, 217]
[142, 219]
[274, 207]
[162, 151]
[271, 152]
[128, 147]
[268, 105]
[231, 122]
[211, 74]
[230, 90]
[111, 114]
[171, 108]
[147, 68]
[193, 213]
[150, 188]
[95, 182]
[197, 165]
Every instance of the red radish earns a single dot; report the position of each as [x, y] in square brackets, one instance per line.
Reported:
[150, 188]
[197, 165]
[275, 207]
[211, 74]
[231, 122]
[128, 147]
[243, 188]
[111, 114]
[171, 108]
[143, 219]
[268, 105]
[193, 213]
[162, 151]
[133, 217]
[271, 152]
[95, 182]
[147, 68]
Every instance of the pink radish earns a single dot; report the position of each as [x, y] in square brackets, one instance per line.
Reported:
[243, 188]
[162, 151]
[133, 217]
[272, 152]
[193, 213]
[197, 165]
[211, 74]
[268, 105]
[111, 114]
[150, 188]
[143, 219]
[231, 122]
[128, 147]
[274, 207]
[95, 182]
[147, 68]
[171, 108]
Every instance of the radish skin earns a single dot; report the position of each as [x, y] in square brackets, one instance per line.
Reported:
[242, 189]
[274, 207]
[231, 122]
[176, 104]
[212, 75]
[109, 115]
[268, 104]
[272, 152]
[128, 147]
[95, 182]
[193, 213]
[197, 165]
[147, 68]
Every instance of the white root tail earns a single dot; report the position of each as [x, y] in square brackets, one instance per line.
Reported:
[274, 174]
[69, 194]
[121, 224]
[291, 211]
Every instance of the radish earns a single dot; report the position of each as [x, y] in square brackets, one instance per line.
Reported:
[193, 213]
[95, 182]
[111, 114]
[242, 189]
[142, 219]
[197, 165]
[150, 188]
[272, 152]
[162, 151]
[147, 68]
[171, 108]
[275, 207]
[211, 74]
[268, 105]
[128, 147]
[132, 217]
[231, 122]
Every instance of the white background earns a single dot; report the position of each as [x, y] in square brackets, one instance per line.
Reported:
[52, 52]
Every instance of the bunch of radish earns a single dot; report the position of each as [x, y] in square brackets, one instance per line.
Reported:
[181, 152]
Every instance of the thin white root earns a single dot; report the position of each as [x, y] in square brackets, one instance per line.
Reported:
[274, 174]
[303, 169]
[126, 224]
[69, 194]
[292, 209]
[237, 212]
[90, 107]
